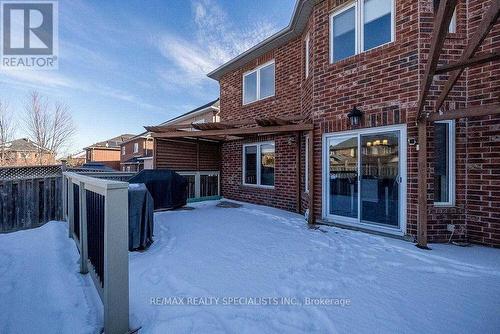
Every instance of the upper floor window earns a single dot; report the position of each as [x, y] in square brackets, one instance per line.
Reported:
[361, 26]
[444, 169]
[307, 56]
[123, 150]
[136, 147]
[258, 84]
[453, 23]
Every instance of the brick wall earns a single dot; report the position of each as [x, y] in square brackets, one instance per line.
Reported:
[384, 83]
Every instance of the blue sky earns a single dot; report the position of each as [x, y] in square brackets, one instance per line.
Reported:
[125, 64]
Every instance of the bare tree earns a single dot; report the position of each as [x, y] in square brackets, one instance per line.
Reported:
[7, 129]
[50, 129]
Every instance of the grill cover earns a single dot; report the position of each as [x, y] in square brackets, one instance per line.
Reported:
[140, 217]
[169, 189]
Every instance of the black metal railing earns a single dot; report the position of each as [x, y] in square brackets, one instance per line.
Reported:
[95, 232]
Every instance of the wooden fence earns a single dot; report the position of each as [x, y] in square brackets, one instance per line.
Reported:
[29, 203]
[31, 196]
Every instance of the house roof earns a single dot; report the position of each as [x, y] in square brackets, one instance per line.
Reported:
[23, 145]
[112, 143]
[215, 104]
[298, 22]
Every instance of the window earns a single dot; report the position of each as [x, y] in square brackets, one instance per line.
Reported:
[259, 164]
[123, 150]
[259, 83]
[444, 168]
[453, 24]
[361, 26]
[306, 44]
[136, 147]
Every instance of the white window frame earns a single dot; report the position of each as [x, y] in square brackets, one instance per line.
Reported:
[358, 27]
[307, 54]
[258, 164]
[451, 164]
[306, 170]
[136, 147]
[124, 150]
[453, 23]
[257, 70]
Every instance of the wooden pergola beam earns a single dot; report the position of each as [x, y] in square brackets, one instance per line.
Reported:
[482, 31]
[478, 60]
[440, 30]
[473, 111]
[236, 132]
[226, 124]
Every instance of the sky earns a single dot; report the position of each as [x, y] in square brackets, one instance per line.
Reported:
[126, 64]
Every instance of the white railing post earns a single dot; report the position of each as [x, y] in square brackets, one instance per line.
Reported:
[83, 230]
[71, 202]
[116, 286]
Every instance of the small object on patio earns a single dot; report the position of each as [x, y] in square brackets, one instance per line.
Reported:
[228, 205]
[185, 208]
[461, 243]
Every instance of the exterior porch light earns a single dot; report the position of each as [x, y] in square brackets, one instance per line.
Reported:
[355, 116]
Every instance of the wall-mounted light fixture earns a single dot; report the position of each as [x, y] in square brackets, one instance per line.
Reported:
[355, 116]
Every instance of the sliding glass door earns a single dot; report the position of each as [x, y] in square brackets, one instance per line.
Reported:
[364, 177]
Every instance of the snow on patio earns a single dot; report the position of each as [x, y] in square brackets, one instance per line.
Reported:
[255, 252]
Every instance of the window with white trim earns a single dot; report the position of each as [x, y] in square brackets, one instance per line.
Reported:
[259, 164]
[307, 54]
[123, 150]
[444, 167]
[453, 23]
[359, 27]
[259, 84]
[136, 147]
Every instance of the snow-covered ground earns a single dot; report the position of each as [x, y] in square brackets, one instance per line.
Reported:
[251, 255]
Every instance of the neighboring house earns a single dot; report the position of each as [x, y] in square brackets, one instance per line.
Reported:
[198, 160]
[369, 56]
[24, 152]
[107, 152]
[76, 160]
[137, 153]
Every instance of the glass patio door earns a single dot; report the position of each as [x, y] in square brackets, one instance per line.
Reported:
[364, 177]
[380, 178]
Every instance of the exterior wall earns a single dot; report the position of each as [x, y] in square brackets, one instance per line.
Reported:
[384, 84]
[206, 117]
[187, 155]
[16, 158]
[108, 157]
[145, 149]
[284, 193]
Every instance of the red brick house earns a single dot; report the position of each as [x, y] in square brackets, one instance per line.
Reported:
[137, 153]
[367, 56]
[24, 152]
[107, 152]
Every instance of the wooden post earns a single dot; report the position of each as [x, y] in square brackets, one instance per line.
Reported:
[83, 230]
[422, 185]
[310, 160]
[116, 286]
[297, 173]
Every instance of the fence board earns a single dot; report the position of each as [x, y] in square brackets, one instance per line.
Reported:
[29, 203]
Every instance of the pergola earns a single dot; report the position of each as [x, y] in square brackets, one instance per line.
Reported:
[241, 129]
[468, 58]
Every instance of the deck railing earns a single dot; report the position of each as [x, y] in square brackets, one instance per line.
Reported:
[97, 213]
